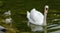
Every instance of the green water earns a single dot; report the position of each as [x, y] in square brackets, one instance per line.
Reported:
[20, 7]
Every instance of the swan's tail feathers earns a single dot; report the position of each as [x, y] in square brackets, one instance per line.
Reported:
[28, 14]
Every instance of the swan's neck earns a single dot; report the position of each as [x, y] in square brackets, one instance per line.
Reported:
[45, 16]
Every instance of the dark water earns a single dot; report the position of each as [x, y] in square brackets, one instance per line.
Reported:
[55, 28]
[20, 7]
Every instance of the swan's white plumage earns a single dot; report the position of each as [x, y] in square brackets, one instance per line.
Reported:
[35, 20]
[8, 20]
[37, 17]
[28, 16]
[29, 19]
[8, 13]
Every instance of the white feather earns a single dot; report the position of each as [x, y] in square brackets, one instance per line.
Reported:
[35, 20]
[8, 13]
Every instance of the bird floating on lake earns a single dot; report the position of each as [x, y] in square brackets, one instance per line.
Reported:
[8, 13]
[36, 19]
[8, 20]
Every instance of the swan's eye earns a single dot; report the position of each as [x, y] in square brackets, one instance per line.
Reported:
[46, 8]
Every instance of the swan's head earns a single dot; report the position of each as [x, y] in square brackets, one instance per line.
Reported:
[46, 8]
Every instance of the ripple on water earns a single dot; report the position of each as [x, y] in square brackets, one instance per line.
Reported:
[56, 29]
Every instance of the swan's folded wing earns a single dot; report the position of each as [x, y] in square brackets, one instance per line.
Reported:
[37, 17]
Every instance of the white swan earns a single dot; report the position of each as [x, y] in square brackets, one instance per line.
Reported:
[8, 13]
[8, 20]
[36, 19]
